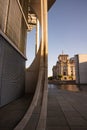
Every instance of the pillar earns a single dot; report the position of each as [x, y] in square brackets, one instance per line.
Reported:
[37, 37]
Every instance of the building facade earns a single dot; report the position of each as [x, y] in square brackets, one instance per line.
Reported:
[13, 33]
[17, 17]
[81, 68]
[64, 68]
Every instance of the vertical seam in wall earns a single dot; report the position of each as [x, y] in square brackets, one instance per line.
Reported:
[1, 74]
[20, 7]
[78, 69]
[6, 19]
[2, 68]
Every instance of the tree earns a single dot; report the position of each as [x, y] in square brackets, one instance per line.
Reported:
[59, 76]
[50, 78]
[71, 77]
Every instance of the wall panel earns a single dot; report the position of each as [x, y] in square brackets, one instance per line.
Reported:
[14, 22]
[12, 73]
[3, 13]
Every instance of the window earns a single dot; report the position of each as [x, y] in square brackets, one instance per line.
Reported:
[64, 73]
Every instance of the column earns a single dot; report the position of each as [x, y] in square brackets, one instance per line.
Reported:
[37, 37]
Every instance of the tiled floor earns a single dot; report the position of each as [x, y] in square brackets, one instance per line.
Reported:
[12, 113]
[67, 110]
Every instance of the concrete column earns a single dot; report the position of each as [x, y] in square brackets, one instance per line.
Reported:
[46, 31]
[43, 115]
[37, 37]
[42, 29]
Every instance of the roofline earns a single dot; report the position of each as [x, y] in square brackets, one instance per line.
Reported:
[50, 3]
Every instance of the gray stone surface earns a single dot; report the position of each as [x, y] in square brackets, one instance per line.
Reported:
[12, 73]
[67, 110]
[12, 113]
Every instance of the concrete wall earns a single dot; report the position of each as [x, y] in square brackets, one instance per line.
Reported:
[12, 61]
[3, 13]
[77, 69]
[12, 73]
[12, 22]
[32, 74]
[81, 68]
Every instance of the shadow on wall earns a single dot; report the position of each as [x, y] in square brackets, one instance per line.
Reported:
[12, 73]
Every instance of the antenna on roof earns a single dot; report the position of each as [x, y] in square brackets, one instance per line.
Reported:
[62, 52]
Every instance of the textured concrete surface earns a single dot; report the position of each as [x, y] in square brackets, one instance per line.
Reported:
[12, 73]
[12, 113]
[67, 110]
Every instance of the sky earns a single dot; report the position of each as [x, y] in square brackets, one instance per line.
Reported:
[67, 31]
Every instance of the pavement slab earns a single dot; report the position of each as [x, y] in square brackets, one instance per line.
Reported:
[11, 114]
[67, 110]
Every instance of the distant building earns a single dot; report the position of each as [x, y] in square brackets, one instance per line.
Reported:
[64, 68]
[81, 68]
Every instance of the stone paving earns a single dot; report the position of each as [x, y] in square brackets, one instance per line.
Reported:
[67, 110]
[12, 113]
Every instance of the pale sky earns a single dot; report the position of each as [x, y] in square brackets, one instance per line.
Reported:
[67, 25]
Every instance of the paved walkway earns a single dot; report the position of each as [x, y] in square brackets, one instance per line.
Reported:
[67, 110]
[12, 113]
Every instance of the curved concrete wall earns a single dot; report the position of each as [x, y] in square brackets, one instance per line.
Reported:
[32, 74]
[12, 63]
[36, 75]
